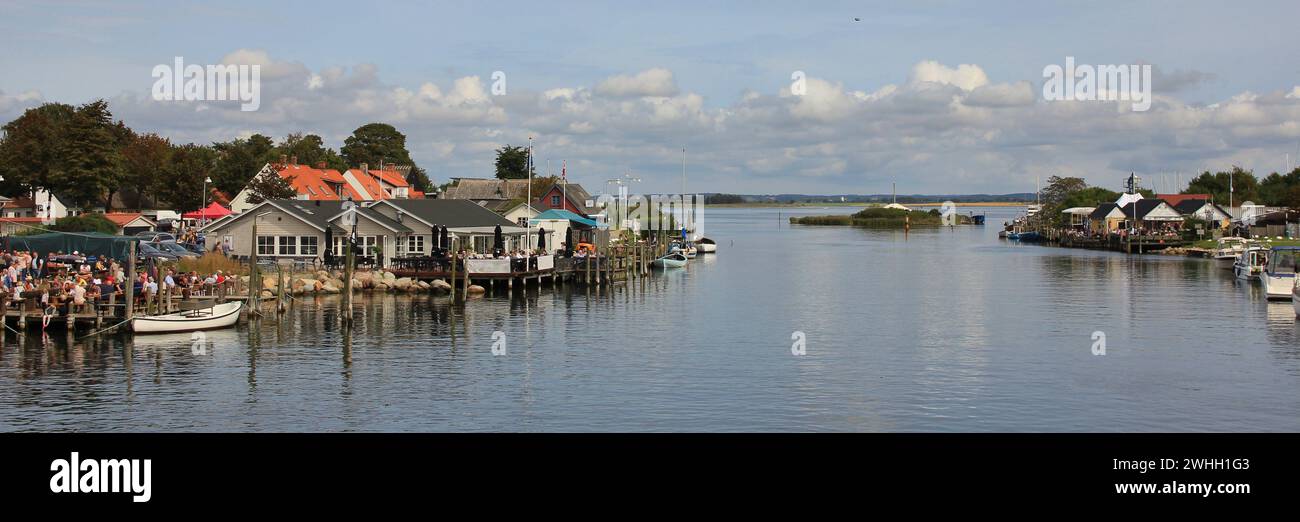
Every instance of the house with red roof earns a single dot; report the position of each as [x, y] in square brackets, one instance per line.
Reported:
[318, 183]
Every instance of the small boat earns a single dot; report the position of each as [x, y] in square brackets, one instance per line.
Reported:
[671, 260]
[1032, 236]
[1226, 251]
[706, 246]
[1279, 273]
[1250, 264]
[217, 316]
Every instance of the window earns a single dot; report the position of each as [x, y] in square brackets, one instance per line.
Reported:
[415, 244]
[288, 245]
[265, 245]
[308, 245]
[555, 201]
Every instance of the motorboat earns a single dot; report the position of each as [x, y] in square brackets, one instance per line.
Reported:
[1250, 263]
[1226, 251]
[706, 246]
[1279, 272]
[217, 316]
[674, 259]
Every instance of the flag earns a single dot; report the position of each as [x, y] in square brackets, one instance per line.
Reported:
[564, 170]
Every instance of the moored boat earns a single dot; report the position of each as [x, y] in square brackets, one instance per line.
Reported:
[1250, 264]
[217, 316]
[671, 260]
[1226, 251]
[706, 246]
[1279, 273]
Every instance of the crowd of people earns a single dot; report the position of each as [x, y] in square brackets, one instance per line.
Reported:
[60, 284]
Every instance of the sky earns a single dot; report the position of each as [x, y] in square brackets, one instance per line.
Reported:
[939, 97]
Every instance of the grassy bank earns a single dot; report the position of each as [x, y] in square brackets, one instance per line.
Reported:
[880, 218]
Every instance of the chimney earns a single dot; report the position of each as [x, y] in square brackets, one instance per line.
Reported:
[293, 159]
[320, 165]
[365, 169]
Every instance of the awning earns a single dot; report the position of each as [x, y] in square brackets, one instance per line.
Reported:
[1079, 211]
[213, 211]
[556, 214]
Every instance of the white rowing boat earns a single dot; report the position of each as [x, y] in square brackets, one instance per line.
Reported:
[706, 245]
[217, 316]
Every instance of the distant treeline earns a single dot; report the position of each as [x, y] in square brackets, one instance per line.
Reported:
[881, 218]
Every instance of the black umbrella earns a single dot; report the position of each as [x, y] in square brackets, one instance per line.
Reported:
[541, 238]
[446, 243]
[568, 241]
[434, 239]
[329, 245]
[498, 241]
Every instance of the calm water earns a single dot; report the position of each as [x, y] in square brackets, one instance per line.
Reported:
[945, 330]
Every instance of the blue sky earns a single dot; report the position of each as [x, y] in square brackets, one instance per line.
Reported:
[1224, 74]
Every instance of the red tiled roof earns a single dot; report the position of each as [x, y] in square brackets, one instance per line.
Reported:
[122, 218]
[21, 220]
[1174, 199]
[314, 183]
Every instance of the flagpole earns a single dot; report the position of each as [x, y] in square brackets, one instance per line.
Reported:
[529, 166]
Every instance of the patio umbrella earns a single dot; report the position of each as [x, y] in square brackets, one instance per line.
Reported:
[435, 240]
[446, 243]
[329, 245]
[541, 238]
[498, 241]
[568, 241]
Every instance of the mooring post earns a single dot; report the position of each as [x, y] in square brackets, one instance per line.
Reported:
[349, 259]
[129, 285]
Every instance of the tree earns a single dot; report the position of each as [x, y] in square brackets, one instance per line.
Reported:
[270, 185]
[1243, 183]
[184, 174]
[379, 144]
[91, 156]
[1058, 188]
[239, 160]
[512, 162]
[310, 150]
[144, 159]
[1276, 189]
[30, 148]
[85, 223]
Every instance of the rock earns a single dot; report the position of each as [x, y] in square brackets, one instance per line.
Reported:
[268, 282]
[475, 289]
[422, 285]
[389, 278]
[440, 286]
[267, 294]
[322, 275]
[299, 285]
[366, 279]
[330, 289]
[402, 283]
[381, 287]
[318, 286]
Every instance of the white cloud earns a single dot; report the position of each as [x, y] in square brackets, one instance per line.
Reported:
[650, 82]
[943, 129]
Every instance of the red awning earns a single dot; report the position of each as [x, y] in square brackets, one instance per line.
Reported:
[214, 211]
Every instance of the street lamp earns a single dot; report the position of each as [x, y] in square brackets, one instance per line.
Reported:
[203, 214]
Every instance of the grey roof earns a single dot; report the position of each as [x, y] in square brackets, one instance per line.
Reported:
[1188, 206]
[449, 212]
[318, 212]
[1102, 210]
[482, 188]
[1144, 207]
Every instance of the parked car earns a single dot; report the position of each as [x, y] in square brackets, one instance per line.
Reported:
[175, 249]
[149, 235]
[149, 251]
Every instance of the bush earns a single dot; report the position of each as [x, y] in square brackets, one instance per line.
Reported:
[82, 223]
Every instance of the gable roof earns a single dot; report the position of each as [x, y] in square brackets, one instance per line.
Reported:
[122, 219]
[315, 184]
[573, 191]
[447, 212]
[483, 188]
[1193, 206]
[1145, 207]
[1102, 211]
[1177, 199]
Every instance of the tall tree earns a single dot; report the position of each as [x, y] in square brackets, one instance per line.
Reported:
[1058, 188]
[145, 158]
[512, 162]
[184, 174]
[239, 160]
[310, 150]
[30, 148]
[91, 156]
[270, 186]
[1242, 182]
[381, 143]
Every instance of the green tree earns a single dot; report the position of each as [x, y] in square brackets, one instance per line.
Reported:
[512, 162]
[310, 150]
[145, 157]
[184, 174]
[1276, 189]
[1243, 183]
[381, 143]
[239, 160]
[270, 186]
[1058, 188]
[92, 165]
[31, 146]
